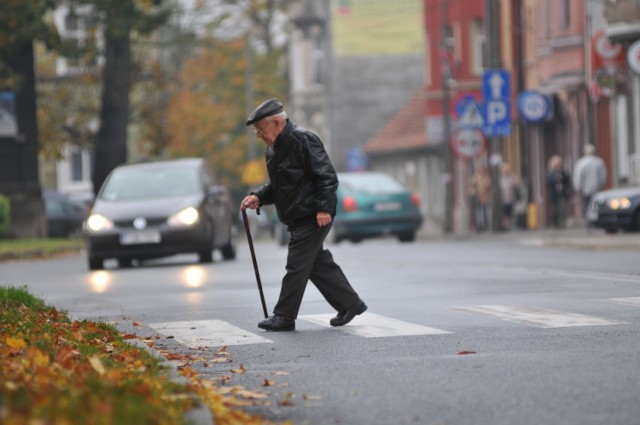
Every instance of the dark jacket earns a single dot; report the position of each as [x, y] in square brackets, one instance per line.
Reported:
[302, 181]
[558, 185]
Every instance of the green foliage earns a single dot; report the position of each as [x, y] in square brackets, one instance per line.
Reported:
[206, 115]
[23, 20]
[11, 296]
[5, 214]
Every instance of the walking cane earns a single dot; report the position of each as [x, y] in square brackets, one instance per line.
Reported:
[253, 257]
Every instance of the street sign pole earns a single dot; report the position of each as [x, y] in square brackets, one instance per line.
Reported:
[446, 106]
[495, 147]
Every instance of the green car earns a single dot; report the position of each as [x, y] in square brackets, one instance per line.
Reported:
[372, 204]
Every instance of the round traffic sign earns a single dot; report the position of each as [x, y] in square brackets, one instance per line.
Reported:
[633, 56]
[533, 106]
[468, 143]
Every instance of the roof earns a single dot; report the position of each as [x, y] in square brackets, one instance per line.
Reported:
[405, 131]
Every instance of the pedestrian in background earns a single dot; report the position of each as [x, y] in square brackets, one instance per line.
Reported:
[302, 186]
[480, 190]
[558, 191]
[589, 176]
[510, 191]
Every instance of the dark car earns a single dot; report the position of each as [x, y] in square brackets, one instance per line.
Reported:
[616, 209]
[373, 204]
[158, 209]
[64, 216]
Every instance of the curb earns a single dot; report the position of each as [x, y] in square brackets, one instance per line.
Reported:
[200, 415]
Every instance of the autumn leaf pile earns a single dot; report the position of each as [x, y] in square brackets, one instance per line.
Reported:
[55, 371]
[61, 372]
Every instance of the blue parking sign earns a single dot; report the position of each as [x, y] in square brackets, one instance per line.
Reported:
[496, 110]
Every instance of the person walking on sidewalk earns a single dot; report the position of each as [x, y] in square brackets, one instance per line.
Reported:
[558, 191]
[302, 186]
[589, 176]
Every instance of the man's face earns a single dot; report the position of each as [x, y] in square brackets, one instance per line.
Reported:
[267, 130]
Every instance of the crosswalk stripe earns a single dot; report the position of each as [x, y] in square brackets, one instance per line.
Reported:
[538, 317]
[632, 301]
[372, 326]
[208, 333]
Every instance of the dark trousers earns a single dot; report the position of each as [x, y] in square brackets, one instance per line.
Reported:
[307, 260]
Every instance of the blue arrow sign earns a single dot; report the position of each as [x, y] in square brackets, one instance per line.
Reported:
[496, 89]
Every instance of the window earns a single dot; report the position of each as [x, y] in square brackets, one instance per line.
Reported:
[565, 14]
[76, 164]
[476, 44]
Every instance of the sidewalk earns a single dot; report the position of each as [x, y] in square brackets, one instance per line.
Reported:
[573, 237]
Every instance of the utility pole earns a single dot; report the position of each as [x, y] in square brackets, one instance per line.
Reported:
[495, 148]
[251, 137]
[446, 123]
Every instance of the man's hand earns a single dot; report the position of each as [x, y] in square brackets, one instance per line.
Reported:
[323, 219]
[252, 202]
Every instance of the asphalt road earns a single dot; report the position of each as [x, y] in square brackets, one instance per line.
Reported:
[484, 331]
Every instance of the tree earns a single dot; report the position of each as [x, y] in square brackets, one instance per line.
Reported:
[207, 111]
[23, 22]
[120, 19]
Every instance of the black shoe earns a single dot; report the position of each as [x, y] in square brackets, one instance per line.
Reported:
[278, 323]
[346, 316]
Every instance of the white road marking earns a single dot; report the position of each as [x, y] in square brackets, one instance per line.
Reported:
[541, 271]
[632, 301]
[371, 325]
[538, 317]
[208, 333]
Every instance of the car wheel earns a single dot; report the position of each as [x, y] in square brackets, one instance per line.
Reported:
[206, 254]
[229, 250]
[635, 227]
[96, 264]
[407, 237]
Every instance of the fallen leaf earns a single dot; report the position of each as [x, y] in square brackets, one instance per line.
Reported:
[311, 397]
[129, 336]
[239, 370]
[97, 365]
[16, 343]
[268, 383]
[464, 353]
[249, 394]
[136, 324]
[280, 373]
[285, 403]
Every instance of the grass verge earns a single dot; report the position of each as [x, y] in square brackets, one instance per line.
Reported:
[26, 249]
[57, 371]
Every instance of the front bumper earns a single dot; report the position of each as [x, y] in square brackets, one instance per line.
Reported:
[173, 241]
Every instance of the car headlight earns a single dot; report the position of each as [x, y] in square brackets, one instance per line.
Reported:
[619, 203]
[98, 223]
[186, 217]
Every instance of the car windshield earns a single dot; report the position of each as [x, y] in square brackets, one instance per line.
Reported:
[149, 183]
[370, 183]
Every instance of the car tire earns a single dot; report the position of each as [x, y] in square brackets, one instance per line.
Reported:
[205, 257]
[229, 250]
[96, 264]
[407, 237]
[635, 225]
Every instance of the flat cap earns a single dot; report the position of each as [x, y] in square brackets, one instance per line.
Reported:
[266, 109]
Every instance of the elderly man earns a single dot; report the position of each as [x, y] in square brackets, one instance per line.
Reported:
[302, 185]
[589, 176]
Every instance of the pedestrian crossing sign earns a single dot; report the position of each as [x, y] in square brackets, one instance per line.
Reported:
[469, 114]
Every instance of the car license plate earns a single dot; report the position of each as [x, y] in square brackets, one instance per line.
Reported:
[141, 237]
[387, 206]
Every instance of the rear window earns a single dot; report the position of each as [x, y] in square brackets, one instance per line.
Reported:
[370, 183]
[149, 183]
